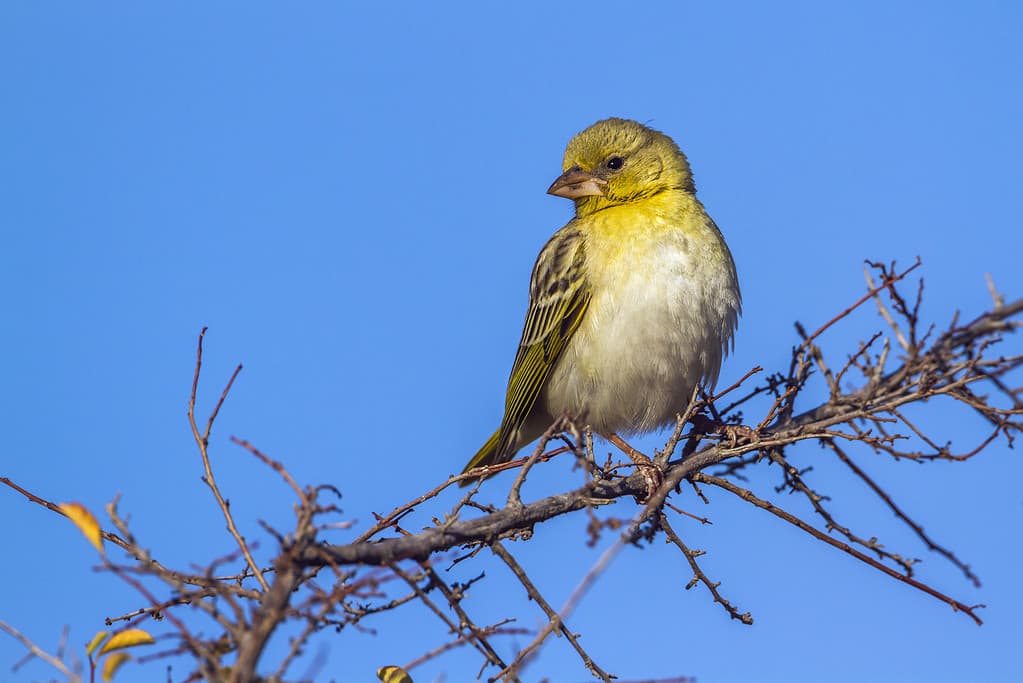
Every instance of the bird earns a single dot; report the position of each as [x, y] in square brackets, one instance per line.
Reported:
[632, 304]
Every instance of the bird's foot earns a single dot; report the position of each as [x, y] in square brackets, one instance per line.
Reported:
[733, 433]
[737, 433]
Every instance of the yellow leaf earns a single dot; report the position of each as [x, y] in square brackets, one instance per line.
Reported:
[96, 640]
[112, 663]
[85, 522]
[393, 674]
[129, 638]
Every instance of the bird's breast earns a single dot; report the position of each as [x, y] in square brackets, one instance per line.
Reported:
[663, 306]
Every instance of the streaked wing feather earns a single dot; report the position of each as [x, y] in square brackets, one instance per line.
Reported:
[557, 274]
[558, 297]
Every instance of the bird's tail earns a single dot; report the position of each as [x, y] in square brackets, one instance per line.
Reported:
[486, 455]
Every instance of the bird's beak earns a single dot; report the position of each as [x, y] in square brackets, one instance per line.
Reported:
[575, 183]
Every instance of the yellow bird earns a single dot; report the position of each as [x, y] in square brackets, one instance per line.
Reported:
[631, 304]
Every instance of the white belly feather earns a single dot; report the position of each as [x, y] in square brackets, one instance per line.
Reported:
[650, 337]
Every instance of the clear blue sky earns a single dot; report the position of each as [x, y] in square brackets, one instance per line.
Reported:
[351, 199]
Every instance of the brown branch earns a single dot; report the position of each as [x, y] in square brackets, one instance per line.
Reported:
[749, 497]
[931, 545]
[555, 622]
[811, 424]
[959, 363]
[492, 630]
[906, 383]
[472, 634]
[888, 283]
[202, 441]
[699, 576]
[38, 651]
[127, 544]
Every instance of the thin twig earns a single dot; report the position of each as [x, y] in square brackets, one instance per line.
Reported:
[202, 441]
[800, 524]
[38, 651]
[555, 622]
[931, 545]
[699, 576]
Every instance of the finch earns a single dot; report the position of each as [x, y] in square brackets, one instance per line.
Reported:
[631, 305]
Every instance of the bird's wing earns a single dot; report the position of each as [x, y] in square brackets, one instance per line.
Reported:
[558, 297]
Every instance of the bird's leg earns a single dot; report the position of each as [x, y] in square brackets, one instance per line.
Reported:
[651, 472]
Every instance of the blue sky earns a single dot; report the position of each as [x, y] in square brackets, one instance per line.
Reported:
[351, 199]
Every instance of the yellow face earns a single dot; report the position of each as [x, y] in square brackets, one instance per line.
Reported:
[616, 161]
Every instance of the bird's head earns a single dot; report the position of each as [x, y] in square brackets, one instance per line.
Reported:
[617, 161]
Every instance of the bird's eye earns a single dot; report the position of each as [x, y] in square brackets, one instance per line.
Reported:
[615, 163]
